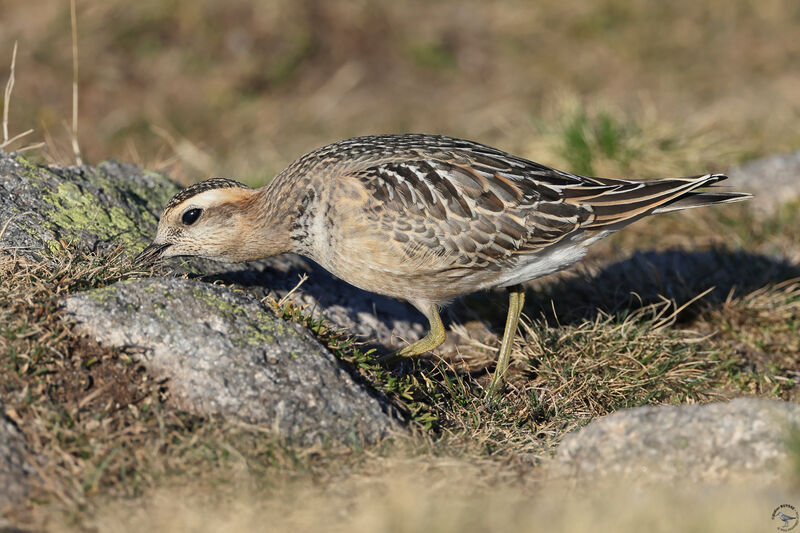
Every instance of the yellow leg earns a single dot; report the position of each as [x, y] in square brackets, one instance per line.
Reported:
[434, 338]
[516, 301]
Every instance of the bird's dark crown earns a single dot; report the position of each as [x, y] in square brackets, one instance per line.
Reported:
[203, 186]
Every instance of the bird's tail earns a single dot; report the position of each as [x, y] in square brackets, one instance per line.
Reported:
[624, 201]
[693, 199]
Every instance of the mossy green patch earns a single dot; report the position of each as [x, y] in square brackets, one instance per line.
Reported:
[103, 294]
[32, 171]
[54, 247]
[217, 302]
[150, 198]
[260, 328]
[76, 210]
[100, 203]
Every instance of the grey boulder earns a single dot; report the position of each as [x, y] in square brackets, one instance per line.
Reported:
[97, 209]
[224, 352]
[773, 180]
[712, 443]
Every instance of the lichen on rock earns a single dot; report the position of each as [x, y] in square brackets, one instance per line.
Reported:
[90, 208]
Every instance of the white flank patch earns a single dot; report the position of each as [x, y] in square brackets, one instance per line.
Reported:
[552, 259]
[546, 262]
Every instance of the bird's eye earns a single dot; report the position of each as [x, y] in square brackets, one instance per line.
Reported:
[191, 216]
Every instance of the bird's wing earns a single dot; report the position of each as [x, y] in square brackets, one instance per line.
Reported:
[610, 201]
[470, 205]
[477, 207]
[467, 216]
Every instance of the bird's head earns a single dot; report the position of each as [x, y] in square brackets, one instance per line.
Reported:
[212, 219]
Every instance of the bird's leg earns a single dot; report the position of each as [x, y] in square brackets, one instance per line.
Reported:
[516, 300]
[434, 338]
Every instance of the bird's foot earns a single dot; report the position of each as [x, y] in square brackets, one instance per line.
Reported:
[433, 339]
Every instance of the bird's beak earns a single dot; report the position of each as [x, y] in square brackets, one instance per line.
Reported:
[149, 254]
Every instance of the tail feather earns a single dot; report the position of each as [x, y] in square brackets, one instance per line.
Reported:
[632, 200]
[700, 199]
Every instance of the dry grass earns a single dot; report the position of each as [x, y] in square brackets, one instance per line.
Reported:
[761, 330]
[95, 421]
[76, 403]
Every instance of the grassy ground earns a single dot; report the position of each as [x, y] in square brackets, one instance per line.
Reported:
[109, 431]
[617, 88]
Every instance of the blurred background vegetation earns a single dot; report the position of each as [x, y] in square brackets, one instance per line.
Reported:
[240, 88]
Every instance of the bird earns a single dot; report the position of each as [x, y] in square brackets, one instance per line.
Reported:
[422, 218]
[785, 518]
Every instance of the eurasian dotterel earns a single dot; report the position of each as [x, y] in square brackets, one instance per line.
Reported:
[421, 218]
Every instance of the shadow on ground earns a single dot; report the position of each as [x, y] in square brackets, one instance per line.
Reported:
[617, 289]
[383, 323]
[645, 277]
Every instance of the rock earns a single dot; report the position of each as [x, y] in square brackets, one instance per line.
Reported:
[16, 473]
[117, 204]
[773, 180]
[88, 208]
[224, 352]
[707, 443]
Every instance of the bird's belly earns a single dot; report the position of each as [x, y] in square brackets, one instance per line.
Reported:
[354, 250]
[380, 266]
[384, 270]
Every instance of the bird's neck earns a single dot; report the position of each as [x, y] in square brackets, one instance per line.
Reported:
[266, 227]
[290, 202]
